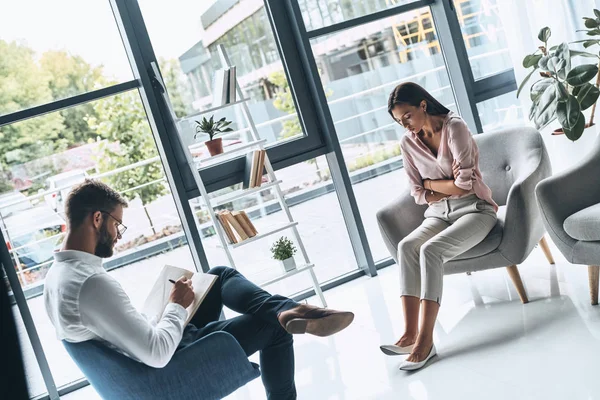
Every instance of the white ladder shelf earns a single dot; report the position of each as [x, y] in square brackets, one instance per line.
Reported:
[273, 183]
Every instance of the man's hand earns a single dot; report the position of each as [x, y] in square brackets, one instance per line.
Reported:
[182, 292]
[455, 169]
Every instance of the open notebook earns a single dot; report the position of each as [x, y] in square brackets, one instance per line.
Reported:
[157, 300]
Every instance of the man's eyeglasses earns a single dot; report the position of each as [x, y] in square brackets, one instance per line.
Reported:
[120, 228]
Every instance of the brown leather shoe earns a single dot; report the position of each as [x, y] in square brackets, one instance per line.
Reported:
[315, 320]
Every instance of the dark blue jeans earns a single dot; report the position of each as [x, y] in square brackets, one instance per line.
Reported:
[257, 329]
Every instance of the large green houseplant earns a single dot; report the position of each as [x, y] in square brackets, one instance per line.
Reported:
[564, 92]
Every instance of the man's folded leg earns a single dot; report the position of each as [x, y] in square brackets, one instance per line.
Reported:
[244, 297]
[254, 334]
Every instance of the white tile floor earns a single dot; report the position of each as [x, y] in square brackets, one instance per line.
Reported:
[490, 345]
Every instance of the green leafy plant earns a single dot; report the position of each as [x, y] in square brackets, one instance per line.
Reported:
[283, 249]
[564, 91]
[211, 127]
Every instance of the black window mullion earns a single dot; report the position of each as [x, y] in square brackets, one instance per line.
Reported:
[68, 102]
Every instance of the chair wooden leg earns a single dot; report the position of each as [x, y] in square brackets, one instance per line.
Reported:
[515, 276]
[594, 275]
[546, 250]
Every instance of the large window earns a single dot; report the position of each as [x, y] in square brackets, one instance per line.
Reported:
[189, 61]
[121, 153]
[359, 69]
[50, 54]
[483, 33]
[311, 197]
[318, 14]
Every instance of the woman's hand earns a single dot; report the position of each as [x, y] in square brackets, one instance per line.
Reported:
[455, 169]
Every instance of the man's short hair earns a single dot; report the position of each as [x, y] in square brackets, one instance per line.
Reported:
[89, 197]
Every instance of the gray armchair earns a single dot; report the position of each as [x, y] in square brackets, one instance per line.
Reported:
[570, 206]
[512, 162]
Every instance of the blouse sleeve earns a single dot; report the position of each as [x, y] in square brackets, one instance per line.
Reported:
[414, 178]
[461, 146]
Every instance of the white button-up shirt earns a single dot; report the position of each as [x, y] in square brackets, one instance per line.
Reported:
[84, 302]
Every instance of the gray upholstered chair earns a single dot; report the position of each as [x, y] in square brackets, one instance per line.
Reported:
[512, 162]
[570, 206]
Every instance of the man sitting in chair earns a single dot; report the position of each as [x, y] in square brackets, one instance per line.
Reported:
[84, 302]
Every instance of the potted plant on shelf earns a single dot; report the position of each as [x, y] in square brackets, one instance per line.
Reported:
[283, 250]
[213, 128]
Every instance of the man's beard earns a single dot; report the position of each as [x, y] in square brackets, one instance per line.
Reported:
[104, 246]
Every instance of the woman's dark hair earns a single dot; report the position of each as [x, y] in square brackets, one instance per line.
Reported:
[413, 94]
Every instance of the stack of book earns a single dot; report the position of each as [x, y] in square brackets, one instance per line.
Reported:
[255, 165]
[237, 226]
[224, 87]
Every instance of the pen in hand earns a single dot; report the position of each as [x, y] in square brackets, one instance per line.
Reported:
[172, 281]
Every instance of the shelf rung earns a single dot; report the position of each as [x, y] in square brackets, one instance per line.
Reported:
[219, 201]
[298, 270]
[245, 146]
[263, 235]
[212, 109]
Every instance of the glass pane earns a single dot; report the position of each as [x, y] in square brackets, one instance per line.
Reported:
[318, 13]
[484, 35]
[313, 203]
[36, 181]
[501, 112]
[58, 51]
[359, 68]
[189, 61]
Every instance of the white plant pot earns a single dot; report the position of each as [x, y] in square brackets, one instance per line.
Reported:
[564, 153]
[288, 264]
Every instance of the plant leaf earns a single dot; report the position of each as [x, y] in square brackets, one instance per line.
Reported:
[568, 113]
[597, 13]
[543, 63]
[538, 88]
[593, 32]
[562, 94]
[590, 23]
[522, 85]
[556, 64]
[577, 53]
[575, 133]
[587, 95]
[531, 60]
[563, 52]
[533, 111]
[581, 74]
[546, 108]
[544, 34]
[589, 43]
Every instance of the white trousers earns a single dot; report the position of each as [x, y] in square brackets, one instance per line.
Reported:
[451, 227]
